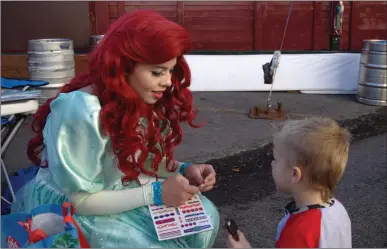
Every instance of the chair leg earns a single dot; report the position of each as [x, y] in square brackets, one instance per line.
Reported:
[4, 169]
[12, 135]
[6, 201]
[4, 146]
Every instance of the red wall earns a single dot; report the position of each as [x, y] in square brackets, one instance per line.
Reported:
[231, 25]
[25, 20]
[368, 21]
[259, 25]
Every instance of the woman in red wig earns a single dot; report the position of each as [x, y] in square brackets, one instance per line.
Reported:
[106, 142]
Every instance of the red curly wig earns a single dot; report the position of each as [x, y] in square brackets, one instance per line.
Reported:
[141, 36]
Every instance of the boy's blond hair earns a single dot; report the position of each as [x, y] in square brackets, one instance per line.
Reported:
[319, 146]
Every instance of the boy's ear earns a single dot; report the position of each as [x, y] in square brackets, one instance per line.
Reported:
[296, 174]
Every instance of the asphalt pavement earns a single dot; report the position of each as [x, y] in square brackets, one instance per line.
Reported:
[257, 208]
[240, 150]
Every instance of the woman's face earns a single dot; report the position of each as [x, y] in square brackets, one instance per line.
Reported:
[150, 81]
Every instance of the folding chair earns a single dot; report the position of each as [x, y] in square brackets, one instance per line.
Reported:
[17, 102]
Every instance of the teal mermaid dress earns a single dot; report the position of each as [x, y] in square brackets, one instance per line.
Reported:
[80, 159]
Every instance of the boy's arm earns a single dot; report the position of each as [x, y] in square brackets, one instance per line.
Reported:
[301, 230]
[298, 240]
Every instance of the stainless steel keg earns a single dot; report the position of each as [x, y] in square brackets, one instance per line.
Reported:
[51, 60]
[372, 85]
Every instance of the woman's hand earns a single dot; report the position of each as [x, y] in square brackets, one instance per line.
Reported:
[177, 190]
[202, 175]
[242, 243]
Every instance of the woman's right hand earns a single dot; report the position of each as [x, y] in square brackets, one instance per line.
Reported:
[176, 190]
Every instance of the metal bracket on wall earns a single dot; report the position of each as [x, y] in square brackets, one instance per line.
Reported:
[337, 10]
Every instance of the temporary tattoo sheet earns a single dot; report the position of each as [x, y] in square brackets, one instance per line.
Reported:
[187, 219]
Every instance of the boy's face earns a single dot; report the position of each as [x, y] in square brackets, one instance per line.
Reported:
[281, 170]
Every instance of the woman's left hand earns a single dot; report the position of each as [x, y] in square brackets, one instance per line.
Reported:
[201, 175]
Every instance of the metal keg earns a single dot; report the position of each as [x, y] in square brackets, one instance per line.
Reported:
[51, 60]
[372, 87]
[94, 41]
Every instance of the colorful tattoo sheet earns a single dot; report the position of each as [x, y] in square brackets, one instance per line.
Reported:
[171, 222]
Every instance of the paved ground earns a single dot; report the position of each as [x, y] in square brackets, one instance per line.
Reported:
[230, 141]
[362, 191]
[228, 130]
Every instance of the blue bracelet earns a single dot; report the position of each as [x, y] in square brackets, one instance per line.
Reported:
[183, 167]
[157, 191]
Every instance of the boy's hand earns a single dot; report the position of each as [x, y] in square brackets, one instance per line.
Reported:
[242, 243]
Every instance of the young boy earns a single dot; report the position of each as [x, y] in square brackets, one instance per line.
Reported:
[309, 159]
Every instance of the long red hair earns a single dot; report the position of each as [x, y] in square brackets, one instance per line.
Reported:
[139, 37]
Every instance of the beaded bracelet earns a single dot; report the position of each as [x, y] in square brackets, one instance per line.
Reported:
[157, 191]
[183, 167]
